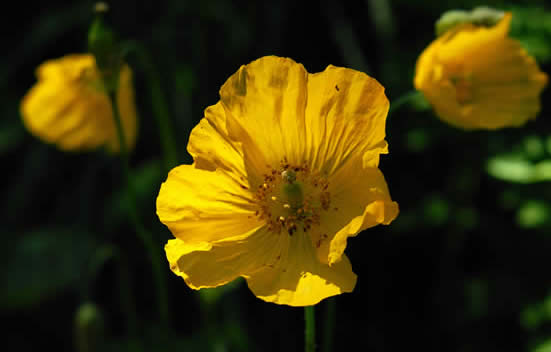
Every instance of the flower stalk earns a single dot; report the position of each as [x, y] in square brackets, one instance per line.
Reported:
[160, 106]
[144, 235]
[108, 55]
[310, 329]
[329, 325]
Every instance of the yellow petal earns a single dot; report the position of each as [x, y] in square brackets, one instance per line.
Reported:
[92, 131]
[280, 112]
[212, 148]
[345, 115]
[67, 68]
[359, 200]
[41, 109]
[211, 264]
[265, 102]
[297, 278]
[201, 206]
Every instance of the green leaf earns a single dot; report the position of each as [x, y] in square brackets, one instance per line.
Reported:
[436, 210]
[533, 214]
[532, 27]
[515, 169]
[544, 347]
[42, 264]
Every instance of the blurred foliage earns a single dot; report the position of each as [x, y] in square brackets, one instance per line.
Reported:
[42, 264]
[544, 347]
[532, 26]
[463, 268]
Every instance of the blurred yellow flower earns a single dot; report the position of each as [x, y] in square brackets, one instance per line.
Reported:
[286, 169]
[476, 77]
[69, 105]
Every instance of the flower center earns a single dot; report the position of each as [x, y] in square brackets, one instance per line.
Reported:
[463, 89]
[291, 198]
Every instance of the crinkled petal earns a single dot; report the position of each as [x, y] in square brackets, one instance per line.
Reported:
[201, 206]
[345, 115]
[298, 278]
[211, 264]
[266, 101]
[280, 112]
[212, 148]
[359, 200]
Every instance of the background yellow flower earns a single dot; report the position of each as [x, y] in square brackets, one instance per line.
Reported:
[69, 105]
[476, 77]
[286, 169]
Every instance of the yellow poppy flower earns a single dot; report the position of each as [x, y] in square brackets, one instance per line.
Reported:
[69, 106]
[286, 169]
[476, 77]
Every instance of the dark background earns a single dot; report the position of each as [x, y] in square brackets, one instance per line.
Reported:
[464, 267]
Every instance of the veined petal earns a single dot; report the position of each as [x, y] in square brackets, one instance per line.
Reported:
[359, 200]
[211, 264]
[265, 101]
[297, 278]
[202, 206]
[211, 146]
[274, 106]
[345, 115]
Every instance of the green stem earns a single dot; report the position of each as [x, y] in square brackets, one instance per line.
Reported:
[329, 325]
[128, 304]
[402, 100]
[159, 105]
[143, 234]
[310, 329]
[99, 259]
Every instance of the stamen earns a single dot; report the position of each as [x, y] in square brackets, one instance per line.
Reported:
[294, 200]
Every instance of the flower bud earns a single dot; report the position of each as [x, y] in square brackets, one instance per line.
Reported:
[102, 43]
[89, 328]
